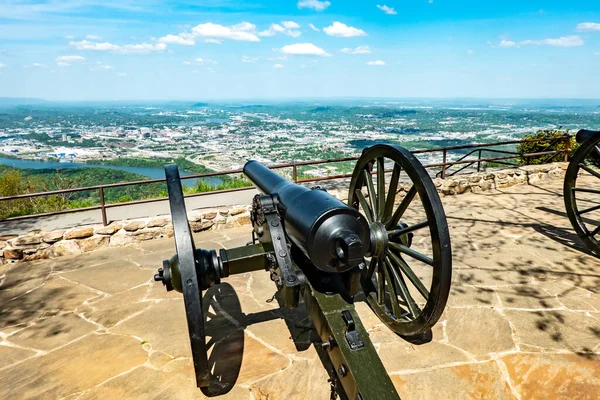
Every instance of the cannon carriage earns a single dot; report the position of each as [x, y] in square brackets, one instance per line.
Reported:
[582, 189]
[389, 246]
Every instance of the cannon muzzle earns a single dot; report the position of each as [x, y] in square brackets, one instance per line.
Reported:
[332, 235]
[584, 134]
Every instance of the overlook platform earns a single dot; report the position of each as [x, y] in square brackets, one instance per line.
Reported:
[523, 319]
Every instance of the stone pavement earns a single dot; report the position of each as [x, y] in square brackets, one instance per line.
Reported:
[523, 319]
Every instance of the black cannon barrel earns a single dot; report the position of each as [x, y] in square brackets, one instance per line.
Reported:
[332, 235]
[585, 134]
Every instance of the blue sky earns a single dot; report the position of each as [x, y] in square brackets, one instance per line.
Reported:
[222, 49]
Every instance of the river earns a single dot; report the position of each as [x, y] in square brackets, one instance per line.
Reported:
[152, 173]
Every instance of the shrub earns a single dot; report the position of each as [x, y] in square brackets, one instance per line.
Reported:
[550, 143]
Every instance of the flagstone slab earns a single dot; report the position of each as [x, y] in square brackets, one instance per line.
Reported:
[302, 380]
[111, 277]
[558, 330]
[493, 332]
[550, 376]
[49, 333]
[401, 355]
[12, 355]
[527, 296]
[74, 368]
[467, 381]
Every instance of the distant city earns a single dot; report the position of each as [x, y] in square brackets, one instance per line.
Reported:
[223, 136]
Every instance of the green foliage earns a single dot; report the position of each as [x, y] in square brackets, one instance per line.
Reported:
[182, 163]
[550, 143]
[205, 186]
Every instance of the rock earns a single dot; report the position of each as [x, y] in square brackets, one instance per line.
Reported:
[121, 240]
[2, 244]
[493, 335]
[94, 243]
[27, 240]
[13, 254]
[53, 237]
[30, 251]
[79, 233]
[158, 222]
[39, 255]
[108, 230]
[134, 226]
[201, 226]
[66, 248]
[146, 234]
[243, 219]
[209, 215]
[5, 238]
[236, 211]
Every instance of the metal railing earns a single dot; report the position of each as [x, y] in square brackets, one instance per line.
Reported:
[463, 161]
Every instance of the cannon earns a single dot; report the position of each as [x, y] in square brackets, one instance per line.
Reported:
[582, 189]
[389, 246]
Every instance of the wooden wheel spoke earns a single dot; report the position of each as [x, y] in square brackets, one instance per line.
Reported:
[371, 269]
[405, 268]
[402, 207]
[410, 302]
[391, 196]
[413, 253]
[399, 232]
[585, 190]
[380, 188]
[595, 231]
[364, 205]
[587, 210]
[393, 295]
[588, 169]
[380, 283]
[371, 191]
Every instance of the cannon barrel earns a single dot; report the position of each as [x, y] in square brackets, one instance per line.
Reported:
[584, 135]
[332, 235]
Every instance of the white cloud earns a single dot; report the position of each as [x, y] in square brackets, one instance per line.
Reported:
[213, 41]
[69, 59]
[127, 49]
[248, 59]
[507, 43]
[588, 26]
[565, 41]
[470, 51]
[122, 74]
[2, 65]
[101, 67]
[93, 37]
[244, 31]
[314, 4]
[205, 61]
[175, 39]
[187, 63]
[303, 49]
[314, 28]
[376, 63]
[287, 29]
[357, 50]
[342, 30]
[387, 10]
[278, 66]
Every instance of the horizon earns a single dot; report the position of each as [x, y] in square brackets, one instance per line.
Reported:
[220, 50]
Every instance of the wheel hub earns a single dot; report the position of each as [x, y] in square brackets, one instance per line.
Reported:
[379, 239]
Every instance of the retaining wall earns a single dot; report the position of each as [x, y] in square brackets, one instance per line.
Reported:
[40, 245]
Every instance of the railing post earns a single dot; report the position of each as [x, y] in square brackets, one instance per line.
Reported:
[295, 173]
[103, 209]
[479, 161]
[444, 165]
[567, 148]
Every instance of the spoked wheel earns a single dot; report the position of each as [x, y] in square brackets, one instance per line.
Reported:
[582, 192]
[185, 264]
[408, 276]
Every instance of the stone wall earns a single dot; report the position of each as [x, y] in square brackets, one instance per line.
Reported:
[39, 244]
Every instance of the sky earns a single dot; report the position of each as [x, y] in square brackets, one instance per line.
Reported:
[293, 49]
